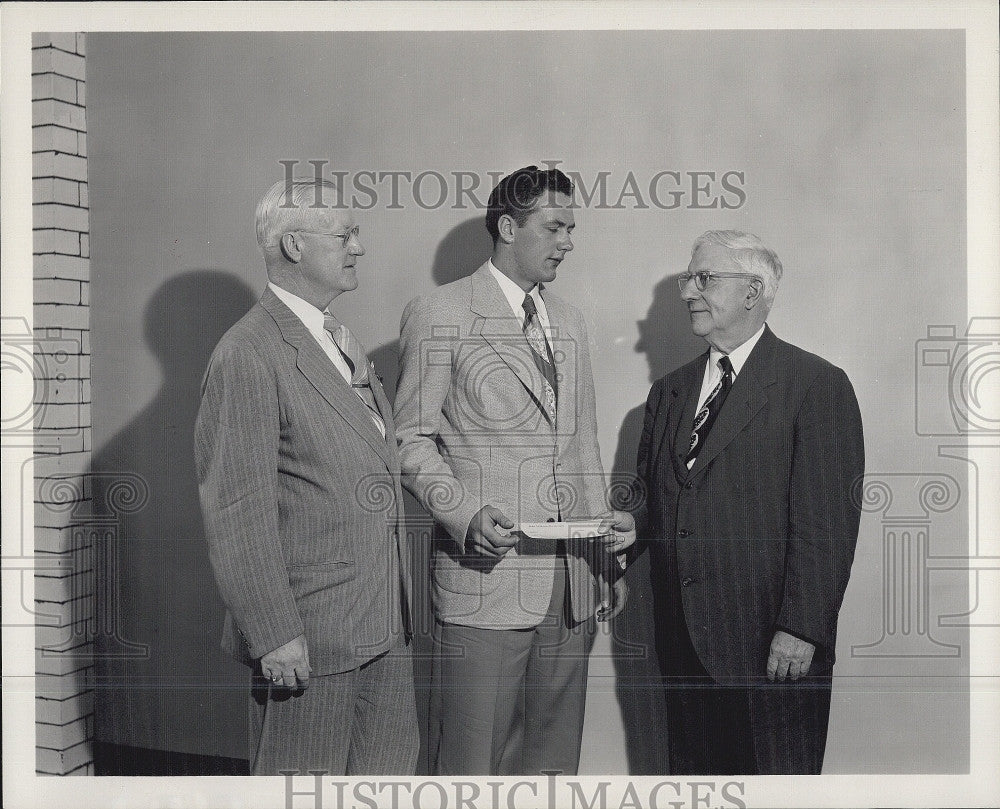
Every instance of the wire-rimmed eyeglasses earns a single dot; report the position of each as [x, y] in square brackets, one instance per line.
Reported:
[354, 232]
[704, 278]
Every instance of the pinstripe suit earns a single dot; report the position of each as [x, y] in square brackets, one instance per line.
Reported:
[758, 535]
[302, 507]
[472, 432]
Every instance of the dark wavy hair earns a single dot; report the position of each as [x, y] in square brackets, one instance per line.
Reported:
[516, 193]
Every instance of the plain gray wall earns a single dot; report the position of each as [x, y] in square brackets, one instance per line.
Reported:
[852, 148]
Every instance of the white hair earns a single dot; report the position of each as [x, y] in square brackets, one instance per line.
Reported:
[750, 253]
[292, 204]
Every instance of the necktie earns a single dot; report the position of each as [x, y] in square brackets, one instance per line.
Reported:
[542, 354]
[705, 418]
[357, 361]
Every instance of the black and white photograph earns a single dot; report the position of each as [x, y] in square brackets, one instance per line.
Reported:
[502, 404]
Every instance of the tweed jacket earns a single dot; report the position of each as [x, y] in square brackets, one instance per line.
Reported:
[473, 432]
[301, 498]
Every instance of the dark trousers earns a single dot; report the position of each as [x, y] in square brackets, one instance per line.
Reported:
[756, 728]
[510, 702]
[708, 725]
[359, 722]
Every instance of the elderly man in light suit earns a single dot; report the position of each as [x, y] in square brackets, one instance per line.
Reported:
[298, 475]
[497, 424]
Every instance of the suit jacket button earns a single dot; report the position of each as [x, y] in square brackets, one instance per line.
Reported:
[683, 533]
[687, 581]
[689, 485]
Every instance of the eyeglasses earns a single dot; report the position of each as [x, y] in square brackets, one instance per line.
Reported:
[704, 278]
[354, 232]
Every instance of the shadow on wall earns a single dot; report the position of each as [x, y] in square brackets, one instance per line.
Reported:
[167, 697]
[665, 338]
[460, 253]
[162, 681]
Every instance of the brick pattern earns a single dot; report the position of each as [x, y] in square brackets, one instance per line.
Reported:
[64, 585]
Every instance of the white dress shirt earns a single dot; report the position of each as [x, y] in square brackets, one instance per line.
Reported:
[515, 297]
[312, 318]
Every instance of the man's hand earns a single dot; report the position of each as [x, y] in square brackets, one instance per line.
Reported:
[613, 599]
[789, 657]
[288, 665]
[620, 531]
[484, 534]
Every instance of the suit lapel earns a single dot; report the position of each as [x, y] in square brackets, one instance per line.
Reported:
[747, 396]
[677, 404]
[499, 327]
[321, 373]
[682, 416]
[385, 410]
[402, 544]
[562, 340]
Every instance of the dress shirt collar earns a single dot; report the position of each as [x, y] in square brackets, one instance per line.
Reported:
[738, 356]
[311, 317]
[515, 295]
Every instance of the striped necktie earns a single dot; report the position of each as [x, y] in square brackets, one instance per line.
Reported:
[357, 361]
[542, 353]
[706, 415]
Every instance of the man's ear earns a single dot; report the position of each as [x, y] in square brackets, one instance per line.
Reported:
[290, 248]
[506, 225]
[755, 294]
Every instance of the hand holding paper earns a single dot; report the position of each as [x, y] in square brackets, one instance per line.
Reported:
[618, 529]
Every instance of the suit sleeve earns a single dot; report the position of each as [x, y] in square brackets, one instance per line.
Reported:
[828, 458]
[643, 453]
[591, 482]
[641, 489]
[425, 380]
[236, 451]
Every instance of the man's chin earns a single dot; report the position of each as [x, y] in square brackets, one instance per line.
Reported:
[699, 324]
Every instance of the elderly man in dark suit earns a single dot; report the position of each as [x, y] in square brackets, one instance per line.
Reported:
[298, 475]
[749, 454]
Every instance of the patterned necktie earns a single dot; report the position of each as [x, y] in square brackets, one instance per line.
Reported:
[542, 354]
[709, 410]
[357, 361]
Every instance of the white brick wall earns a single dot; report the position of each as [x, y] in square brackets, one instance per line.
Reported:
[64, 587]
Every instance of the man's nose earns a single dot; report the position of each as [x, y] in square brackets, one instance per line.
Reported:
[689, 291]
[354, 246]
[566, 244]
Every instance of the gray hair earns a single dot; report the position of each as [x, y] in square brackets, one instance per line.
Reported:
[290, 205]
[750, 253]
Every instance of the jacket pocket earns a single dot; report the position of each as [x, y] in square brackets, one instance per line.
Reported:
[308, 580]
